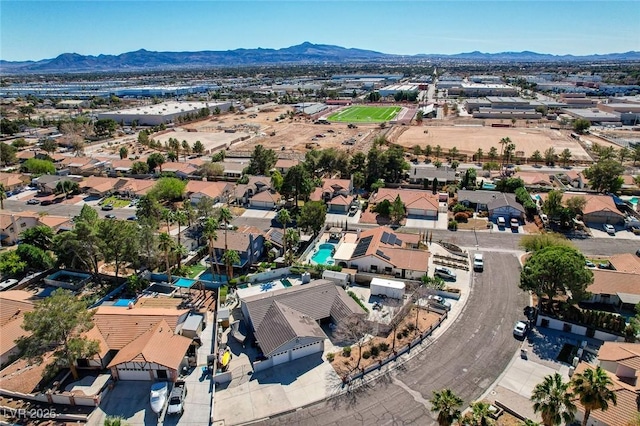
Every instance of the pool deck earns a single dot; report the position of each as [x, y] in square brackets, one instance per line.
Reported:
[346, 244]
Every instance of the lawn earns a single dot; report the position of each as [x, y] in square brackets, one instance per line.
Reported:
[364, 114]
[196, 269]
[117, 202]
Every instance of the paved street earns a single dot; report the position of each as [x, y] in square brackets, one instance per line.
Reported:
[467, 358]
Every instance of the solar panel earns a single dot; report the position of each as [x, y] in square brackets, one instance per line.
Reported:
[276, 236]
[385, 238]
[398, 242]
[382, 255]
[392, 239]
[362, 247]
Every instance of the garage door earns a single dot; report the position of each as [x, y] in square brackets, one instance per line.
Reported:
[261, 204]
[281, 358]
[134, 374]
[306, 350]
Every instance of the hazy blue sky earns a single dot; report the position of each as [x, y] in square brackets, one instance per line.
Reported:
[33, 30]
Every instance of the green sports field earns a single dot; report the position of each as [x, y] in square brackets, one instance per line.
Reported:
[365, 114]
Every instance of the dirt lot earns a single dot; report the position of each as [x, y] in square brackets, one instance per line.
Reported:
[344, 365]
[469, 138]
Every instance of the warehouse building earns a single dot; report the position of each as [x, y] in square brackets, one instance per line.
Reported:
[396, 88]
[164, 113]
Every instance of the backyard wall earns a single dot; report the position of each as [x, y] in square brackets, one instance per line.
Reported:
[269, 275]
[556, 324]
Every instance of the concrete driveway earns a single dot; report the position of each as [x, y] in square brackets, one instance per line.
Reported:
[342, 217]
[259, 213]
[129, 400]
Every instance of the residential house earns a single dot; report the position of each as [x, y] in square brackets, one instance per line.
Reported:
[119, 167]
[598, 209]
[99, 186]
[13, 181]
[218, 192]
[629, 185]
[497, 204]
[380, 250]
[621, 361]
[248, 241]
[82, 165]
[423, 204]
[265, 200]
[12, 224]
[139, 343]
[132, 188]
[573, 178]
[233, 169]
[284, 164]
[331, 188]
[182, 170]
[340, 204]
[534, 179]
[275, 236]
[617, 288]
[286, 322]
[46, 184]
[425, 175]
[13, 305]
[256, 184]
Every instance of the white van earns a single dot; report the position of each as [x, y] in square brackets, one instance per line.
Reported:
[501, 222]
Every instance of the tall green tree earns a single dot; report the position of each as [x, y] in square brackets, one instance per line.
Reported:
[297, 183]
[447, 404]
[39, 236]
[225, 217]
[155, 160]
[38, 167]
[123, 152]
[58, 322]
[397, 210]
[605, 176]
[149, 208]
[11, 264]
[3, 196]
[536, 157]
[284, 218]
[105, 127]
[210, 232]
[139, 168]
[312, 216]
[166, 245]
[168, 189]
[550, 156]
[480, 415]
[262, 160]
[593, 389]
[35, 257]
[7, 153]
[198, 147]
[556, 270]
[49, 146]
[553, 400]
[121, 243]
[67, 187]
[231, 257]
[581, 125]
[565, 156]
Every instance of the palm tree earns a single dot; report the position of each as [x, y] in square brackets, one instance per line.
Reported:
[166, 244]
[231, 257]
[480, 414]
[552, 400]
[446, 404]
[113, 421]
[3, 196]
[284, 218]
[181, 219]
[291, 238]
[210, 232]
[479, 155]
[168, 217]
[503, 143]
[225, 217]
[592, 387]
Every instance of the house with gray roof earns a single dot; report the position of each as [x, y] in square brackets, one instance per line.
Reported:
[286, 322]
[496, 203]
[418, 173]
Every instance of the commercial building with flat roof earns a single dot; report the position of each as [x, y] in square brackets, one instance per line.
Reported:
[167, 112]
[395, 88]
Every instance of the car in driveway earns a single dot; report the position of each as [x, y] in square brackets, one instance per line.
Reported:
[609, 229]
[520, 329]
[176, 398]
[444, 273]
[33, 201]
[439, 300]
[107, 207]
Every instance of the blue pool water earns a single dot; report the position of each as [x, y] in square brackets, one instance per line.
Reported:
[206, 276]
[323, 255]
[184, 283]
[634, 200]
[47, 291]
[123, 302]
[488, 186]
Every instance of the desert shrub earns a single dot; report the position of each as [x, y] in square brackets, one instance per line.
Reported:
[452, 225]
[457, 208]
[384, 346]
[366, 354]
[375, 350]
[411, 326]
[461, 217]
[346, 351]
[331, 357]
[399, 335]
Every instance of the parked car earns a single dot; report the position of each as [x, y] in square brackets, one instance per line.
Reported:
[590, 264]
[609, 229]
[132, 218]
[439, 300]
[176, 398]
[107, 207]
[33, 201]
[635, 229]
[353, 210]
[444, 273]
[110, 216]
[501, 222]
[515, 224]
[46, 202]
[520, 329]
[478, 262]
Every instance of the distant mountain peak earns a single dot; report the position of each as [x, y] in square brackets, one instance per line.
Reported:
[303, 53]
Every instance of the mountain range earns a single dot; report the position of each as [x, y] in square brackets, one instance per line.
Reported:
[305, 53]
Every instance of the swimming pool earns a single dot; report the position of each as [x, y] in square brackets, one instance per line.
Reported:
[123, 302]
[184, 283]
[323, 254]
[634, 200]
[206, 276]
[488, 186]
